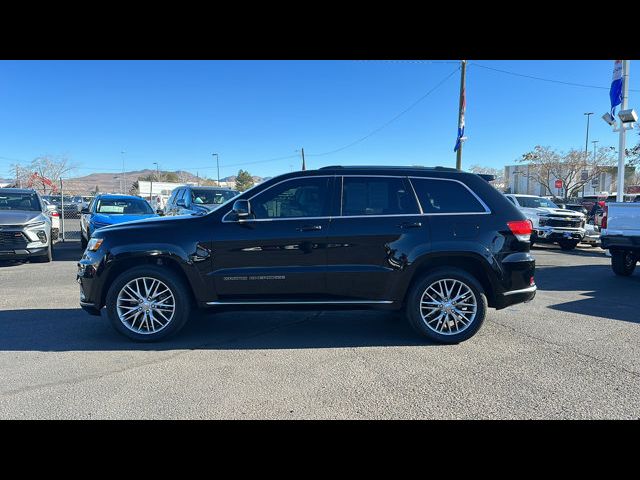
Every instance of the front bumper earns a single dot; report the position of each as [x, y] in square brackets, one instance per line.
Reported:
[89, 268]
[554, 234]
[22, 253]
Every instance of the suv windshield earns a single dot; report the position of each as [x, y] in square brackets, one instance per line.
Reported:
[124, 206]
[19, 201]
[211, 197]
[535, 202]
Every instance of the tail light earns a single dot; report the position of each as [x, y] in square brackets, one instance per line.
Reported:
[521, 229]
[55, 214]
[603, 224]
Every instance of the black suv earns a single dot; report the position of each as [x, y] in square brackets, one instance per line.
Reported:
[439, 243]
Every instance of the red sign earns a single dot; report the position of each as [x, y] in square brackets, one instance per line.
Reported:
[558, 183]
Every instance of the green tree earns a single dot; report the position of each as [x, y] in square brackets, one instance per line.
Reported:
[244, 180]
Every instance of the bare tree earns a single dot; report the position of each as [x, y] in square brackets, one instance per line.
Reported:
[499, 182]
[546, 163]
[47, 167]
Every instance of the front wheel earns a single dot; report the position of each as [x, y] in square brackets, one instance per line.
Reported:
[148, 303]
[568, 244]
[83, 242]
[623, 262]
[447, 305]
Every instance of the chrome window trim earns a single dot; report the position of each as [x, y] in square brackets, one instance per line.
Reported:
[487, 210]
[330, 217]
[319, 302]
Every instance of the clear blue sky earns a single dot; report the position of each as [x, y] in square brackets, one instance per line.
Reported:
[177, 113]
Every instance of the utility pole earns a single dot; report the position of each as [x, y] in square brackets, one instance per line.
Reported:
[594, 162]
[17, 177]
[123, 179]
[304, 166]
[586, 142]
[198, 177]
[218, 165]
[623, 131]
[463, 75]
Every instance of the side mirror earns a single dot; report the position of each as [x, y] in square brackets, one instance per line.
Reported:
[85, 210]
[181, 203]
[242, 208]
[160, 212]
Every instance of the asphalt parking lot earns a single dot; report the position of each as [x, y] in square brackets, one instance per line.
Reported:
[572, 353]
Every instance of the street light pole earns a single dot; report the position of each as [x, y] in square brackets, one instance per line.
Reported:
[218, 165]
[586, 142]
[623, 131]
[123, 180]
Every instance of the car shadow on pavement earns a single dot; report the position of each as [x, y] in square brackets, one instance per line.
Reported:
[605, 294]
[67, 252]
[73, 330]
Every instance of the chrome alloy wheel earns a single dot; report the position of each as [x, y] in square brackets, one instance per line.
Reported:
[448, 306]
[146, 305]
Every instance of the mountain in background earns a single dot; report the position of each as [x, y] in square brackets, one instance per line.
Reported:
[110, 182]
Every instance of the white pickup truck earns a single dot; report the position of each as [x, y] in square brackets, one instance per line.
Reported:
[551, 224]
[621, 235]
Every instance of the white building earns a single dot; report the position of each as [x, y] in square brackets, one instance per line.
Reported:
[517, 180]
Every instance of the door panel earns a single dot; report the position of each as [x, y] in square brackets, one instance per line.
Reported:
[370, 241]
[280, 252]
[281, 258]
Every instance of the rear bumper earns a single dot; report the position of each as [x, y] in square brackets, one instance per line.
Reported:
[515, 296]
[620, 242]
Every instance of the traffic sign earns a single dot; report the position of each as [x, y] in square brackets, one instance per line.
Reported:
[558, 183]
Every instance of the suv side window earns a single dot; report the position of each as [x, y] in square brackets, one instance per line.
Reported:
[377, 196]
[300, 197]
[445, 196]
[172, 198]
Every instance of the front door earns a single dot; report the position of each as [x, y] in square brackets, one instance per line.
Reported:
[279, 253]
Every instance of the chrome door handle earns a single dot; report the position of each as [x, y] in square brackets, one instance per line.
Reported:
[309, 228]
[410, 225]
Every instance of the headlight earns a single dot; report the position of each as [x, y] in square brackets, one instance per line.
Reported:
[94, 244]
[35, 224]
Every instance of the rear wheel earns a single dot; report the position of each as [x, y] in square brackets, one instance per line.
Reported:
[623, 262]
[568, 244]
[148, 303]
[447, 305]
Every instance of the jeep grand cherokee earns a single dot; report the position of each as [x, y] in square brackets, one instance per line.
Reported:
[441, 244]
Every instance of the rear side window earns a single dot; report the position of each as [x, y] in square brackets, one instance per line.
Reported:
[377, 196]
[444, 196]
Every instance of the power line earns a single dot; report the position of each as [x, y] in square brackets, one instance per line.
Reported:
[571, 84]
[390, 121]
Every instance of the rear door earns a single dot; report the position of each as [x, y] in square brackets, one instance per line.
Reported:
[376, 226]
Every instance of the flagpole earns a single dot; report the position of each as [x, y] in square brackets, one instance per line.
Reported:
[463, 75]
[623, 131]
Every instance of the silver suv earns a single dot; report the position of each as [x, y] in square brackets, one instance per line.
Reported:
[25, 226]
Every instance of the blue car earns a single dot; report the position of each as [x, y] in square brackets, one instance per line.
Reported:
[106, 210]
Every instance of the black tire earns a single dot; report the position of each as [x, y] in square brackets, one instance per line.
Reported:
[568, 244]
[47, 257]
[623, 262]
[531, 244]
[414, 297]
[183, 302]
[83, 242]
